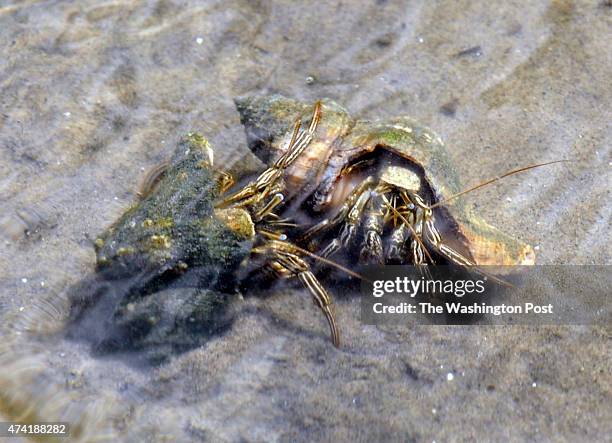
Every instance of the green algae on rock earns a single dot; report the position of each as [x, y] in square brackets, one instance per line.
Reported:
[166, 268]
[174, 227]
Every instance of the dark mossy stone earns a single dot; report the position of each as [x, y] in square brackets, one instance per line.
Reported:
[174, 229]
[165, 268]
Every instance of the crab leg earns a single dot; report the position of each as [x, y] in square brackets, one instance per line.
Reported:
[416, 250]
[397, 251]
[260, 187]
[269, 207]
[346, 208]
[371, 246]
[325, 190]
[152, 178]
[432, 237]
[349, 229]
[225, 180]
[287, 260]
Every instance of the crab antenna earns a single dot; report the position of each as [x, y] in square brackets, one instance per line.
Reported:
[488, 182]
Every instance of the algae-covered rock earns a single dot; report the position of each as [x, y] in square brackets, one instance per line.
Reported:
[174, 227]
[166, 267]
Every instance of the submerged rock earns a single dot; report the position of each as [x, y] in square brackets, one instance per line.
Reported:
[165, 268]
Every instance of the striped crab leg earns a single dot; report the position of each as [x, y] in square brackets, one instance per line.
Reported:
[286, 259]
[263, 185]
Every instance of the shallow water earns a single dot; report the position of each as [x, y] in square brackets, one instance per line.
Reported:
[92, 94]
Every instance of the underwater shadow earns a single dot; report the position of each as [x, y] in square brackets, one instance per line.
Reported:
[145, 327]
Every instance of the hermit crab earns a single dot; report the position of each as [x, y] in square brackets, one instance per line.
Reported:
[378, 177]
[375, 192]
[334, 188]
